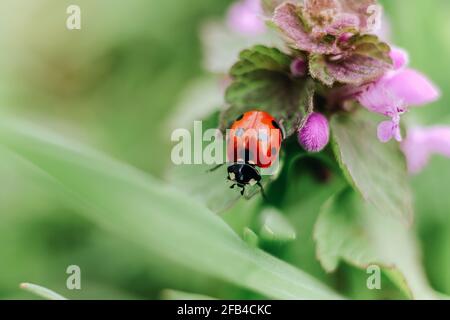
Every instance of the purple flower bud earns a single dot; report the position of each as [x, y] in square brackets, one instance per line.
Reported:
[298, 67]
[315, 134]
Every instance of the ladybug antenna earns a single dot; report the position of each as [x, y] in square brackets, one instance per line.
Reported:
[262, 191]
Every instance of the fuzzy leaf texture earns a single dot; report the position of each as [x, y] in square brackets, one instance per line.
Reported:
[316, 26]
[289, 20]
[367, 61]
[262, 81]
[338, 16]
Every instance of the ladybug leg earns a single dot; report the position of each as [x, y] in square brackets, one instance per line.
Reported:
[216, 167]
[243, 190]
[232, 187]
[262, 191]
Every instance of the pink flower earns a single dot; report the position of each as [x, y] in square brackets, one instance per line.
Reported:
[315, 134]
[421, 143]
[395, 92]
[245, 17]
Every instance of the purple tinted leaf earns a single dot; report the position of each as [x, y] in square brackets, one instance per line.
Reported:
[357, 69]
[339, 16]
[368, 61]
[288, 18]
[269, 6]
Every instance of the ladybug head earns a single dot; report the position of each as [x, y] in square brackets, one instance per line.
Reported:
[243, 174]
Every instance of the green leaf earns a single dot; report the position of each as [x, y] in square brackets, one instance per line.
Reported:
[339, 234]
[303, 193]
[261, 58]
[376, 170]
[262, 81]
[250, 237]
[159, 220]
[201, 97]
[275, 227]
[41, 291]
[352, 230]
[318, 69]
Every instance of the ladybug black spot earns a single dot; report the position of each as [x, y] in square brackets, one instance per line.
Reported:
[277, 126]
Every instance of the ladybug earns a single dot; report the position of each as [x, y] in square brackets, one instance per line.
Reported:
[253, 142]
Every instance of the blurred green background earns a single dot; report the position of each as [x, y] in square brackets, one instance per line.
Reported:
[115, 86]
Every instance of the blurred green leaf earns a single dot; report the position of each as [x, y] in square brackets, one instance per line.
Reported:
[160, 220]
[376, 170]
[275, 227]
[339, 234]
[304, 192]
[222, 45]
[352, 230]
[41, 291]
[201, 98]
[250, 237]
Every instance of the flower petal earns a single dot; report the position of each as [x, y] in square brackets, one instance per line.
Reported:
[377, 98]
[386, 131]
[412, 87]
[438, 140]
[400, 57]
[421, 143]
[245, 17]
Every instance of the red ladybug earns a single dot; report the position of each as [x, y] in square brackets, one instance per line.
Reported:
[253, 142]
